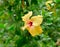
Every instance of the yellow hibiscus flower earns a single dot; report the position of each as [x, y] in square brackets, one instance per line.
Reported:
[32, 24]
[47, 4]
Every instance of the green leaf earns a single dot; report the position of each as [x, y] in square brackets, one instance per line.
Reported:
[57, 1]
[11, 27]
[1, 25]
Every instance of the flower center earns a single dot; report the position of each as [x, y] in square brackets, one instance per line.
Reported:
[30, 23]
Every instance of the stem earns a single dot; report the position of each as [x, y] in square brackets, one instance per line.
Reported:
[22, 3]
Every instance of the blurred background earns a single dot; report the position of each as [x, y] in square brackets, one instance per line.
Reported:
[11, 12]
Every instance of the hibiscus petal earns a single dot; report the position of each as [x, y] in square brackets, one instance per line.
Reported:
[36, 30]
[37, 20]
[47, 4]
[27, 16]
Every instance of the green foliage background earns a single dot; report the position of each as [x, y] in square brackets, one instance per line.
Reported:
[11, 34]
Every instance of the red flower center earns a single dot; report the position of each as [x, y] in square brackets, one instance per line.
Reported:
[30, 23]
